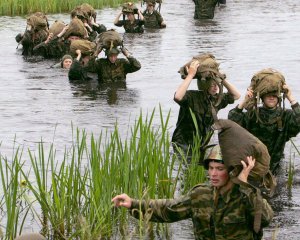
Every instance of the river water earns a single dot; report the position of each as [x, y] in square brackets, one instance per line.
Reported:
[39, 103]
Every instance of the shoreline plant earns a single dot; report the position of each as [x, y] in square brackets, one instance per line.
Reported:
[21, 7]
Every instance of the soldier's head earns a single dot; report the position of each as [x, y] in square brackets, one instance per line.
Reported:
[209, 86]
[271, 99]
[112, 54]
[217, 171]
[66, 61]
[150, 5]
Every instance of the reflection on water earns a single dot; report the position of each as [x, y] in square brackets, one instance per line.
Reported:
[246, 36]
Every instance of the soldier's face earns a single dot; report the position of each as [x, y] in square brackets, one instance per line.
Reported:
[218, 174]
[130, 16]
[150, 7]
[67, 63]
[213, 89]
[270, 101]
[113, 58]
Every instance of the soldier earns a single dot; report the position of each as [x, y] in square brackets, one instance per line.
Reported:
[65, 62]
[205, 9]
[200, 103]
[131, 25]
[277, 126]
[222, 210]
[152, 17]
[114, 69]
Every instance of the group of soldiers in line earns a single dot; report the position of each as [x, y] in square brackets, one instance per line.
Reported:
[223, 209]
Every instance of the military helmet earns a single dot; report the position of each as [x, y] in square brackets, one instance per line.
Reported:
[112, 51]
[213, 154]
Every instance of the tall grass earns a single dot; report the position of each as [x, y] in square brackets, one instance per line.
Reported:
[21, 7]
[70, 197]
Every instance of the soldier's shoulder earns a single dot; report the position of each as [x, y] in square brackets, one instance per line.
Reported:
[201, 187]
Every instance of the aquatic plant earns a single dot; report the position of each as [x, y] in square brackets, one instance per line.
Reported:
[21, 7]
[70, 196]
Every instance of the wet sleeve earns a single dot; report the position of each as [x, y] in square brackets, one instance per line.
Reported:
[252, 201]
[77, 72]
[159, 18]
[294, 120]
[120, 23]
[237, 115]
[132, 65]
[99, 29]
[163, 210]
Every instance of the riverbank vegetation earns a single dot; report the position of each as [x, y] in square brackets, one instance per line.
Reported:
[21, 7]
[70, 197]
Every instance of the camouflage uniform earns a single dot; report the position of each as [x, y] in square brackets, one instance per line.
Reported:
[231, 217]
[272, 133]
[152, 20]
[136, 27]
[116, 72]
[55, 48]
[200, 103]
[205, 9]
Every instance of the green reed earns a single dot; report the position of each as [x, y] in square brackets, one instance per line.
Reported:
[12, 204]
[21, 7]
[70, 197]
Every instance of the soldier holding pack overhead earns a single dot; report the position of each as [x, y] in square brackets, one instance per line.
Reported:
[153, 18]
[131, 24]
[222, 210]
[113, 69]
[270, 123]
[209, 95]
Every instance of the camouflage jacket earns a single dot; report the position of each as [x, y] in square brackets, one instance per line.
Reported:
[152, 20]
[200, 104]
[56, 48]
[135, 27]
[274, 134]
[231, 217]
[115, 72]
[205, 9]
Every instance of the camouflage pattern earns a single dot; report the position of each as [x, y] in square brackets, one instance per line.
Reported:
[228, 217]
[200, 103]
[56, 48]
[273, 134]
[152, 20]
[135, 27]
[205, 9]
[116, 72]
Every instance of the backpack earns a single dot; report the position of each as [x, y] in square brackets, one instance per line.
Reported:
[109, 39]
[236, 144]
[56, 27]
[76, 28]
[37, 23]
[85, 46]
[129, 8]
[208, 69]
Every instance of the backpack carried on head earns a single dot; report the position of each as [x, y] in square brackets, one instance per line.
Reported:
[129, 7]
[109, 39]
[37, 22]
[208, 70]
[89, 10]
[76, 28]
[236, 144]
[263, 82]
[56, 27]
[85, 46]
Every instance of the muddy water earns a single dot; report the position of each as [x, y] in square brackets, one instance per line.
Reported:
[38, 102]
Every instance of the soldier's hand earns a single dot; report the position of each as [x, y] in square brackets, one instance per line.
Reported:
[247, 167]
[288, 93]
[192, 70]
[122, 200]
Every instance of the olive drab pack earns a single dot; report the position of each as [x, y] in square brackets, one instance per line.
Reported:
[85, 46]
[89, 10]
[207, 71]
[236, 144]
[76, 28]
[129, 7]
[37, 22]
[265, 81]
[56, 27]
[109, 39]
